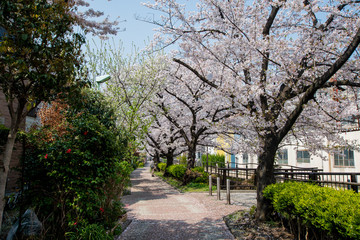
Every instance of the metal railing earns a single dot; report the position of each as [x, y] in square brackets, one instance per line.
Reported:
[336, 180]
[241, 176]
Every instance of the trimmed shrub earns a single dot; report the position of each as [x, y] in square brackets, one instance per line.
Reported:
[213, 159]
[199, 169]
[162, 166]
[199, 175]
[182, 159]
[334, 212]
[177, 171]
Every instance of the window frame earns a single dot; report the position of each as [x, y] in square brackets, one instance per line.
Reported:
[302, 159]
[281, 154]
[340, 159]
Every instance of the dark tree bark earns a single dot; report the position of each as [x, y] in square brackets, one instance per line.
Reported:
[265, 174]
[191, 156]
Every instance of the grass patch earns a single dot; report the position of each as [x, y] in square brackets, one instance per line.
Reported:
[191, 187]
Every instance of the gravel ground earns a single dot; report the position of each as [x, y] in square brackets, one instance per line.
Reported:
[158, 211]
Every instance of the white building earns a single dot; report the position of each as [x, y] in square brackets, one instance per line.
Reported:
[344, 161]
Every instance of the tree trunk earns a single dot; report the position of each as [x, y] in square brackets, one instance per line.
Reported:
[156, 161]
[265, 175]
[4, 170]
[191, 157]
[169, 159]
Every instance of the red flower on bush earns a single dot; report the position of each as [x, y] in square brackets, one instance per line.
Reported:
[85, 133]
[46, 156]
[101, 210]
[68, 151]
[75, 223]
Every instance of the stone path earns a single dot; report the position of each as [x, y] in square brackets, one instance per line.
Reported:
[159, 211]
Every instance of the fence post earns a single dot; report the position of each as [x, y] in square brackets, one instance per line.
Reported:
[286, 176]
[228, 191]
[247, 174]
[224, 177]
[210, 185]
[217, 169]
[218, 188]
[207, 161]
[353, 180]
[312, 176]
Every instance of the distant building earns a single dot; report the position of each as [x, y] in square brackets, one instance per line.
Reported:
[343, 160]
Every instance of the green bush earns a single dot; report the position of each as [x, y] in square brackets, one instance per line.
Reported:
[177, 171]
[213, 159]
[162, 166]
[197, 175]
[199, 169]
[140, 164]
[335, 212]
[201, 175]
[89, 232]
[182, 159]
[77, 176]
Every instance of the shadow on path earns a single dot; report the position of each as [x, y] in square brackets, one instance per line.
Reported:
[158, 211]
[172, 229]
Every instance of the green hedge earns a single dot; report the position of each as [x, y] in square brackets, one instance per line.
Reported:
[177, 171]
[162, 166]
[200, 175]
[334, 212]
[213, 159]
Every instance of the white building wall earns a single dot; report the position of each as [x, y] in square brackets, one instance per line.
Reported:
[326, 162]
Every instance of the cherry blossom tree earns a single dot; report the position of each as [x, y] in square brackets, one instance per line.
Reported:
[163, 140]
[87, 18]
[134, 81]
[279, 62]
[186, 105]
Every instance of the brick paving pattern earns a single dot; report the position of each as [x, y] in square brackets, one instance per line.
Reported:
[158, 211]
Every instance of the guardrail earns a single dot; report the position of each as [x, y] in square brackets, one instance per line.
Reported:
[336, 180]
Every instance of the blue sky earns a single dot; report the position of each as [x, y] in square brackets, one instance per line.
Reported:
[137, 32]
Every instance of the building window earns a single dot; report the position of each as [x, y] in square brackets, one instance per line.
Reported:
[282, 156]
[344, 158]
[303, 156]
[245, 158]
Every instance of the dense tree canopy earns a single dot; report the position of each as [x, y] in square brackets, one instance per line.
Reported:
[40, 56]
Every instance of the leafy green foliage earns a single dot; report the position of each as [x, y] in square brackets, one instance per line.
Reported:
[77, 178]
[90, 232]
[177, 171]
[190, 187]
[213, 159]
[182, 159]
[335, 212]
[162, 166]
[40, 52]
[140, 164]
[200, 175]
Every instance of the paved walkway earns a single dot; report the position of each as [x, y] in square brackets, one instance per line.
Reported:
[159, 211]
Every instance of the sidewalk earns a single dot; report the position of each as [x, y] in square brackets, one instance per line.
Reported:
[158, 211]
